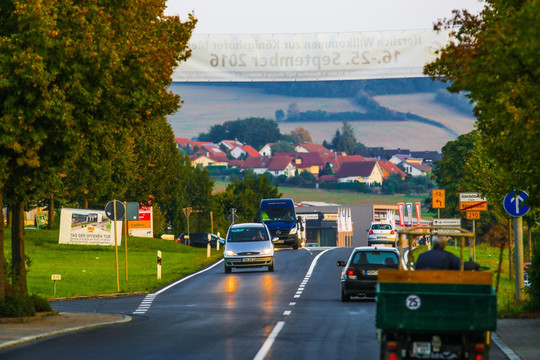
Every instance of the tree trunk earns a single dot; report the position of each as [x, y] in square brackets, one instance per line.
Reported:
[2, 273]
[51, 213]
[17, 249]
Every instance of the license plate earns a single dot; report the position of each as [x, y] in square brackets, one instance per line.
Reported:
[371, 272]
[248, 259]
[422, 348]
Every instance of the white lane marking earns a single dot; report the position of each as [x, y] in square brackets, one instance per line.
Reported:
[273, 335]
[269, 341]
[510, 354]
[145, 304]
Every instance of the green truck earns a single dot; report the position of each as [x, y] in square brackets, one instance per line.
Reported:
[435, 314]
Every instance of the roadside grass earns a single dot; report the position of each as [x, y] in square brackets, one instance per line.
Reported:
[91, 270]
[488, 255]
[337, 196]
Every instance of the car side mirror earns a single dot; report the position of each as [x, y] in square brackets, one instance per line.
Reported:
[221, 241]
[341, 263]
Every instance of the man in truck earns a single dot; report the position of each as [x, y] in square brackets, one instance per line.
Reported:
[438, 258]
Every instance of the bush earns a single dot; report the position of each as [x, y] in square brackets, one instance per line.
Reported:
[18, 305]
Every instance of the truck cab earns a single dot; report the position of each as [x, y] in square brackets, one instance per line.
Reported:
[279, 216]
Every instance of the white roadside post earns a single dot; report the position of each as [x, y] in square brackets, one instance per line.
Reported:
[159, 265]
[217, 243]
[209, 246]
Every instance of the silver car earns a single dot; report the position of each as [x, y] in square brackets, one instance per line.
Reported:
[248, 245]
[381, 233]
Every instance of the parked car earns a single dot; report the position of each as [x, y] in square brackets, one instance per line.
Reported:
[310, 244]
[198, 239]
[381, 233]
[248, 245]
[359, 275]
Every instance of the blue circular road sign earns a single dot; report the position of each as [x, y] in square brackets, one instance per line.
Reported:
[513, 203]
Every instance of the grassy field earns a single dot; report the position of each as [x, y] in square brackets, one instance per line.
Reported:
[336, 196]
[91, 270]
[198, 114]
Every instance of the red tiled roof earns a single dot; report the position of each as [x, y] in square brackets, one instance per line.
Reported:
[358, 168]
[260, 162]
[327, 178]
[316, 148]
[389, 168]
[250, 150]
[278, 163]
[307, 159]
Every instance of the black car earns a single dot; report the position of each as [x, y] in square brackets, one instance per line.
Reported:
[359, 275]
[198, 239]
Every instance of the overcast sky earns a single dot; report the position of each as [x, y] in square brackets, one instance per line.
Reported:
[315, 16]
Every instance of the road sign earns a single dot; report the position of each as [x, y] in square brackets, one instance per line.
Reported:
[438, 199]
[120, 210]
[447, 222]
[513, 203]
[473, 215]
[473, 206]
[132, 211]
[446, 231]
[471, 197]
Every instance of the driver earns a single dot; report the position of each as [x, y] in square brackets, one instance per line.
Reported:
[438, 258]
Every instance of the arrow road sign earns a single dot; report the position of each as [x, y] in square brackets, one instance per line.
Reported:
[513, 203]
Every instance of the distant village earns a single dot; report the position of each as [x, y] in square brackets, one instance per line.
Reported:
[368, 165]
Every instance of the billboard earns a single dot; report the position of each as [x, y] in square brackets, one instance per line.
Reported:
[310, 57]
[88, 227]
[142, 227]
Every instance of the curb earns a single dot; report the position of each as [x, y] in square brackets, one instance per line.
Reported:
[125, 319]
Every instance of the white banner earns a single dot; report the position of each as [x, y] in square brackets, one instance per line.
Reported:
[88, 227]
[310, 57]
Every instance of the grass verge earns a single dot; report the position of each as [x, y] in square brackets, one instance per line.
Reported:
[91, 270]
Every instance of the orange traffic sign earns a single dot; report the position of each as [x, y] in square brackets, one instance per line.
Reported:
[473, 206]
[437, 199]
[473, 215]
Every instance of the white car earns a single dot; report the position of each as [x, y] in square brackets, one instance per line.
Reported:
[381, 233]
[248, 245]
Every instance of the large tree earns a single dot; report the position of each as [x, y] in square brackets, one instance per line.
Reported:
[494, 58]
[78, 77]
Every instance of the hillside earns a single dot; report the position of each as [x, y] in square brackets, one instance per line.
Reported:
[206, 105]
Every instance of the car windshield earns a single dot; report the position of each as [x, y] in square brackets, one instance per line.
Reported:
[247, 234]
[384, 258]
[273, 214]
[381, 227]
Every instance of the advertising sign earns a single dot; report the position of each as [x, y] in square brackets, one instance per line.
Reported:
[401, 212]
[88, 227]
[409, 213]
[144, 226]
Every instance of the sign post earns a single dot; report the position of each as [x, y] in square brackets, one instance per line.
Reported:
[472, 203]
[513, 204]
[115, 210]
[54, 278]
[438, 201]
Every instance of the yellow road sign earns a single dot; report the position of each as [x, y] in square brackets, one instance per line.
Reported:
[473, 215]
[438, 199]
[473, 206]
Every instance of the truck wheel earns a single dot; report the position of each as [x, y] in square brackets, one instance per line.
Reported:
[345, 297]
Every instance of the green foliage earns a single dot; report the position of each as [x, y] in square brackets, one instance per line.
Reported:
[253, 131]
[495, 59]
[282, 146]
[534, 277]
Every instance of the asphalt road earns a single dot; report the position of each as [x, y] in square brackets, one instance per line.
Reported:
[294, 312]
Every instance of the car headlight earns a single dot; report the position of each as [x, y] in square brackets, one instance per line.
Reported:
[267, 251]
[230, 253]
[293, 231]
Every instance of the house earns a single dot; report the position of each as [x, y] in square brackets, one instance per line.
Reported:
[237, 149]
[275, 165]
[266, 150]
[310, 162]
[367, 172]
[312, 148]
[414, 168]
[388, 168]
[282, 165]
[399, 158]
[187, 145]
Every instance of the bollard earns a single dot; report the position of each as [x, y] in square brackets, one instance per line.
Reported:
[209, 246]
[217, 243]
[159, 265]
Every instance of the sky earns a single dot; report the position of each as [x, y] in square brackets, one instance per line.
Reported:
[315, 16]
